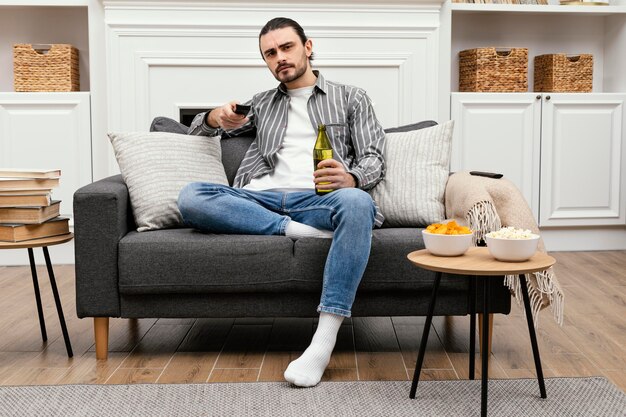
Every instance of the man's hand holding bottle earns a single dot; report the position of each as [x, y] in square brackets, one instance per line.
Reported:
[333, 176]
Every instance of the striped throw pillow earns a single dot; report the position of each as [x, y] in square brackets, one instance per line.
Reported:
[418, 165]
[157, 165]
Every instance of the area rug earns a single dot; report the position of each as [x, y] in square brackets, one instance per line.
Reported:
[566, 397]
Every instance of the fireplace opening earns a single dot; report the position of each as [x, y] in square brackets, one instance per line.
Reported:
[186, 115]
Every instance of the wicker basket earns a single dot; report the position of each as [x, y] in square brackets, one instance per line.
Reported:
[493, 70]
[34, 69]
[562, 73]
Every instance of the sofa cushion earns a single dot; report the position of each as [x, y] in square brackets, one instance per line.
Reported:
[412, 192]
[186, 261]
[165, 124]
[233, 151]
[388, 267]
[157, 165]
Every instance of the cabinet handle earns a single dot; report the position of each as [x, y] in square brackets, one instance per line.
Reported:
[538, 97]
[547, 97]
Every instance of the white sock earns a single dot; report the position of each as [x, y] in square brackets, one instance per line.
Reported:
[298, 230]
[307, 370]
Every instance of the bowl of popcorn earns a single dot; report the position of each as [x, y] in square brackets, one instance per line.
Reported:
[512, 245]
[447, 239]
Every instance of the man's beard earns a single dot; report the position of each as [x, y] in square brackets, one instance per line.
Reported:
[299, 71]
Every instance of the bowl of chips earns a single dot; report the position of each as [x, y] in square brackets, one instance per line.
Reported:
[447, 239]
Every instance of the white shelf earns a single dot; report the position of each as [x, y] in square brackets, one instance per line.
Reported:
[44, 3]
[536, 9]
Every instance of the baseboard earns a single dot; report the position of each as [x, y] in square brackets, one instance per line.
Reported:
[584, 239]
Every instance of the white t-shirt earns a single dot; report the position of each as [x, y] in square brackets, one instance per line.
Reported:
[294, 160]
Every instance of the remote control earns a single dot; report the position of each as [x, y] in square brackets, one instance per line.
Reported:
[242, 110]
[486, 174]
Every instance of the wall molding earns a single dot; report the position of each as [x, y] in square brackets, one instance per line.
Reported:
[148, 39]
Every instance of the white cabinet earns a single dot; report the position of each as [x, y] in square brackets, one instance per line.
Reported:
[48, 130]
[583, 160]
[564, 151]
[499, 133]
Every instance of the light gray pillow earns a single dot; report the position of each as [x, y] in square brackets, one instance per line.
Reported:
[418, 165]
[157, 165]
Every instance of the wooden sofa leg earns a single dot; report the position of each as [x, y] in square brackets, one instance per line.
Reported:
[480, 332]
[101, 331]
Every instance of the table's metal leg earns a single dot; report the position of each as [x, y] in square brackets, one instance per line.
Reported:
[472, 309]
[33, 271]
[485, 352]
[57, 300]
[424, 341]
[533, 336]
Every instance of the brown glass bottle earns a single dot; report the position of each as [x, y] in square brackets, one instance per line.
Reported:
[322, 150]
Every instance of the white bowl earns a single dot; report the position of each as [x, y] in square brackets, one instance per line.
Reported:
[512, 250]
[447, 245]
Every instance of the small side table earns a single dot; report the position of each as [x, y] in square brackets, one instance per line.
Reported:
[44, 243]
[477, 262]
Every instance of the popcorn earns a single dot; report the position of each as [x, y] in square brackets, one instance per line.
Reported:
[512, 233]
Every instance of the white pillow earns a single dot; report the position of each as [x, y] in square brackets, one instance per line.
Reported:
[157, 165]
[412, 192]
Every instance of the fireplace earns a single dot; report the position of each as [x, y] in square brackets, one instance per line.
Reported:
[186, 116]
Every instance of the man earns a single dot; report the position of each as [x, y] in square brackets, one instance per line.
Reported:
[274, 189]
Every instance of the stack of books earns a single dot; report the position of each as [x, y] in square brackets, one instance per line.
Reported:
[27, 210]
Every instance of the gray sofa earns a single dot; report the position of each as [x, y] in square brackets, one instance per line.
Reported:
[184, 273]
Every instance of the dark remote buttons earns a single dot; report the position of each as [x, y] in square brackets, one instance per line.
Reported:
[242, 110]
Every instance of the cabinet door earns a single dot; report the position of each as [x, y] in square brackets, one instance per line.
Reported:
[499, 132]
[583, 160]
[48, 130]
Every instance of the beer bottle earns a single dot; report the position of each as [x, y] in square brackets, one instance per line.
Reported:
[321, 151]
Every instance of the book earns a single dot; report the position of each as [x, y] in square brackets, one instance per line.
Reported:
[26, 191]
[27, 183]
[25, 200]
[29, 215]
[18, 232]
[29, 173]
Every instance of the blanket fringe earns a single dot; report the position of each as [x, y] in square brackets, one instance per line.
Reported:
[482, 219]
[536, 293]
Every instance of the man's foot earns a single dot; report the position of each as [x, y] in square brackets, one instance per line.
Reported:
[307, 370]
[298, 230]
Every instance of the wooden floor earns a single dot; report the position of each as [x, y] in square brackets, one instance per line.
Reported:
[592, 341]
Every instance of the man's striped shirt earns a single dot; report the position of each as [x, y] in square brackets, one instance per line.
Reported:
[355, 134]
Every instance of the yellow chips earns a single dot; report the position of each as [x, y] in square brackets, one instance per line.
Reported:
[451, 228]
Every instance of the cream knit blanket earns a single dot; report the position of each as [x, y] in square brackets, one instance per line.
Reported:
[486, 204]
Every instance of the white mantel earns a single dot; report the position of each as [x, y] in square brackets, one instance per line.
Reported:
[163, 56]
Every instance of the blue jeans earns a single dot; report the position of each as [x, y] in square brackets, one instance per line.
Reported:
[349, 212]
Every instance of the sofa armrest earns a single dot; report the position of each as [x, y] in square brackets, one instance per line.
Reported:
[102, 216]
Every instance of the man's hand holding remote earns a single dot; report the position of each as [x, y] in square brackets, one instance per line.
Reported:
[225, 117]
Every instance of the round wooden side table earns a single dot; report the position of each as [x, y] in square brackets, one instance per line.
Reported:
[479, 262]
[44, 243]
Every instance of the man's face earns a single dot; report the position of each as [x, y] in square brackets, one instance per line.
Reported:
[284, 54]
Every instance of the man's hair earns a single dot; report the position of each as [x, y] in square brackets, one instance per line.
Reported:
[284, 22]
